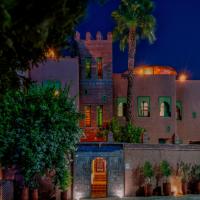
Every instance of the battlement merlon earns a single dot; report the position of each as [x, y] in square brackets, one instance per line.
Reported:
[88, 36]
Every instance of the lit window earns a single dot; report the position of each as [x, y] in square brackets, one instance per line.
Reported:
[100, 68]
[121, 109]
[165, 106]
[144, 106]
[88, 66]
[99, 116]
[87, 110]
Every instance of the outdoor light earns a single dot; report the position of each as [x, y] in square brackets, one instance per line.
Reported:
[182, 77]
[56, 93]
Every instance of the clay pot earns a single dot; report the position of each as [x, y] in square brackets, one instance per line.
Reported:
[34, 194]
[198, 187]
[25, 193]
[64, 195]
[148, 190]
[166, 189]
[184, 187]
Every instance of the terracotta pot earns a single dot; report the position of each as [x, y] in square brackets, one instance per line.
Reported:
[64, 195]
[25, 193]
[148, 190]
[184, 187]
[34, 194]
[166, 189]
[198, 187]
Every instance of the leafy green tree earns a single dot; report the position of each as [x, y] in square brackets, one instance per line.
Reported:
[39, 130]
[148, 171]
[165, 169]
[134, 20]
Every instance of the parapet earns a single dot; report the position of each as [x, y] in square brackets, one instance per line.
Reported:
[88, 36]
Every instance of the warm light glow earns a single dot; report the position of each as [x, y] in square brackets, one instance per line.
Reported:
[176, 185]
[56, 93]
[119, 193]
[51, 53]
[182, 77]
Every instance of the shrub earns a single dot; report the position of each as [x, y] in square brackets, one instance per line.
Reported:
[165, 169]
[148, 171]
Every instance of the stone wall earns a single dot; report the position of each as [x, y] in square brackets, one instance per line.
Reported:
[113, 154]
[136, 155]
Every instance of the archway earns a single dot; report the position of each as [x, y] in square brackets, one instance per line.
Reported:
[99, 178]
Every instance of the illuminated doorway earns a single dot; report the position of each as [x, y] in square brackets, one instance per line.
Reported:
[99, 178]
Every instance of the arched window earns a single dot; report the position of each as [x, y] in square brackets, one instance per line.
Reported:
[178, 110]
[165, 106]
[121, 109]
[143, 106]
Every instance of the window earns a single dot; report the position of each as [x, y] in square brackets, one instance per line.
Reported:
[121, 103]
[99, 116]
[165, 106]
[194, 115]
[88, 67]
[121, 109]
[178, 110]
[143, 106]
[87, 111]
[99, 68]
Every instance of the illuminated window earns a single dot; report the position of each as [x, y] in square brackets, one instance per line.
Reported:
[88, 67]
[87, 110]
[121, 109]
[165, 106]
[144, 106]
[100, 68]
[178, 110]
[99, 116]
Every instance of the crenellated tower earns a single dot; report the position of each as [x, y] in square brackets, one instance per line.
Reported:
[96, 88]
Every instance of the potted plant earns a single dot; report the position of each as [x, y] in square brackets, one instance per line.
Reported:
[195, 174]
[25, 193]
[148, 174]
[184, 172]
[65, 182]
[166, 172]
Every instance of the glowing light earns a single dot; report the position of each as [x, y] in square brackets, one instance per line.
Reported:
[182, 77]
[56, 93]
[176, 185]
[119, 193]
[51, 53]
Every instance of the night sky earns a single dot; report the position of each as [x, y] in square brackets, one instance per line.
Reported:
[177, 32]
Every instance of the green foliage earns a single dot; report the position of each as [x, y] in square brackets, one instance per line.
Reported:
[128, 133]
[184, 171]
[165, 168]
[195, 172]
[134, 14]
[132, 133]
[148, 170]
[38, 131]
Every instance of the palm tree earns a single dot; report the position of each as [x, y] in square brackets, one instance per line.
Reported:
[134, 20]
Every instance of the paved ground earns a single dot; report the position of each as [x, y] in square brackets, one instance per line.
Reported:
[187, 197]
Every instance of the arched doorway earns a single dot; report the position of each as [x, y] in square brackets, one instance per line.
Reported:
[99, 178]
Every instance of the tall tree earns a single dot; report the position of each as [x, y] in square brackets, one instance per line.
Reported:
[29, 28]
[134, 20]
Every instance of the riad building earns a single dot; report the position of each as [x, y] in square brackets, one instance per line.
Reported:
[168, 109]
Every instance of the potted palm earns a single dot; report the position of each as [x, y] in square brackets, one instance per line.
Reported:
[166, 172]
[148, 174]
[184, 172]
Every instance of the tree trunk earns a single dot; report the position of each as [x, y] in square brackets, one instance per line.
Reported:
[131, 63]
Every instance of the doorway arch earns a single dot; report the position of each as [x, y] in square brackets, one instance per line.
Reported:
[99, 178]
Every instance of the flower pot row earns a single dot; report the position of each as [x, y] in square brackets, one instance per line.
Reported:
[33, 194]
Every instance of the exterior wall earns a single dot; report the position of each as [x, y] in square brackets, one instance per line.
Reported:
[136, 155]
[113, 154]
[99, 91]
[65, 70]
[154, 86]
[189, 127]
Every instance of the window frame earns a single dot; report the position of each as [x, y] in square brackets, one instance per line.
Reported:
[100, 113]
[99, 62]
[139, 101]
[170, 105]
[90, 113]
[179, 104]
[88, 70]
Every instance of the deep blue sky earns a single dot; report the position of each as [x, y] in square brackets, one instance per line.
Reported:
[177, 32]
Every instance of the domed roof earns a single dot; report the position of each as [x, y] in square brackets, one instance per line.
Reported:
[154, 70]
